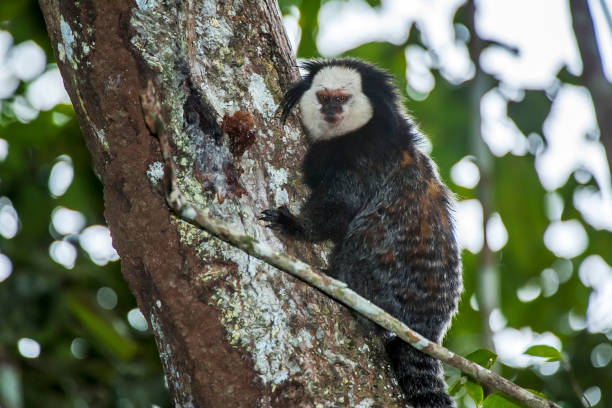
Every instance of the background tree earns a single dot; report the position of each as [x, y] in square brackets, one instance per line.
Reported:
[77, 311]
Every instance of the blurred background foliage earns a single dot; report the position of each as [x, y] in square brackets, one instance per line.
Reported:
[70, 333]
[65, 336]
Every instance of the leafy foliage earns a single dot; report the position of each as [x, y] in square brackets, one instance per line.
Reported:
[483, 357]
[542, 350]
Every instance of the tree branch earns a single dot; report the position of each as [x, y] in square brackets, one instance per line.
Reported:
[593, 75]
[336, 289]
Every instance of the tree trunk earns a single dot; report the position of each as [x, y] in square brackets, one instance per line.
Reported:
[231, 331]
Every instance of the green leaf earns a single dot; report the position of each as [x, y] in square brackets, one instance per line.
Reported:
[456, 387]
[542, 350]
[538, 393]
[474, 390]
[373, 3]
[99, 328]
[484, 357]
[499, 400]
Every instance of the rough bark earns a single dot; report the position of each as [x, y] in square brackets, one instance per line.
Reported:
[231, 331]
[341, 292]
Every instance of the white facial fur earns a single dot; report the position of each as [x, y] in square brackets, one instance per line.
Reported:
[356, 112]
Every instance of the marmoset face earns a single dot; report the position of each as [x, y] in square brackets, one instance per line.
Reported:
[335, 103]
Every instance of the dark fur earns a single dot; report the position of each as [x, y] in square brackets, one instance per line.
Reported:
[379, 199]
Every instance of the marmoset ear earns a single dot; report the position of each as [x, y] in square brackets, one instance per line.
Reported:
[292, 97]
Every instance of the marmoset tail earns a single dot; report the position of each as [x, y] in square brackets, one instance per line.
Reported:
[379, 199]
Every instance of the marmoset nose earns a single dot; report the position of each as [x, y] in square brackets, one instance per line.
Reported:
[332, 118]
[332, 112]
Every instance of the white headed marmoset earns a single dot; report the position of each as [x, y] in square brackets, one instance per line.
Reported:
[379, 199]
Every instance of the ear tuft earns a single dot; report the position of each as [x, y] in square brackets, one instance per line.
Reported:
[291, 98]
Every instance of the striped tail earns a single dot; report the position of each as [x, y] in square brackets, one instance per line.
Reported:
[419, 375]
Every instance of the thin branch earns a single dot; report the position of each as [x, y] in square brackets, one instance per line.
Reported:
[336, 289]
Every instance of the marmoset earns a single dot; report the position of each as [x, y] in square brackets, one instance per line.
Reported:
[378, 197]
